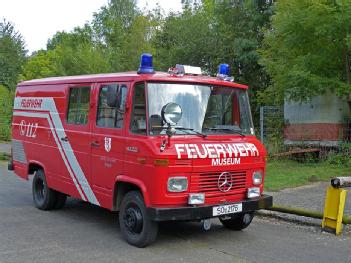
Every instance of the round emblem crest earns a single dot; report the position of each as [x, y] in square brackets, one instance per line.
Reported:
[225, 182]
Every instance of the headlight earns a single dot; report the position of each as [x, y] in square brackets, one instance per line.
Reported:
[257, 178]
[177, 184]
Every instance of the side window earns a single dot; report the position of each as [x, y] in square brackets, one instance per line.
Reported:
[110, 113]
[78, 108]
[138, 120]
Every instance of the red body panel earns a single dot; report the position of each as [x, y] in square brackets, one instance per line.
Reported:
[76, 161]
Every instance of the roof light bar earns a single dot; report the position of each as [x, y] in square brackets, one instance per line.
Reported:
[189, 70]
[146, 65]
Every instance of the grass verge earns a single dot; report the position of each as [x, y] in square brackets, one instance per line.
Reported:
[287, 173]
[4, 157]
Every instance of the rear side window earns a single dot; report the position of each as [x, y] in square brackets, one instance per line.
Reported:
[112, 98]
[78, 108]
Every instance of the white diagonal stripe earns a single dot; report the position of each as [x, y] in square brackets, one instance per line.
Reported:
[46, 116]
[48, 104]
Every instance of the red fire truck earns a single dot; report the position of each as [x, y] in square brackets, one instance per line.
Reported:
[154, 146]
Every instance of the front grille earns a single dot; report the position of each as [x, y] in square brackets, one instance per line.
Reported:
[208, 183]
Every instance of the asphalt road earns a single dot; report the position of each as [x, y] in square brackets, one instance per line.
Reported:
[5, 148]
[85, 233]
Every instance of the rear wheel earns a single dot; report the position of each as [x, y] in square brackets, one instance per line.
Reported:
[136, 228]
[237, 222]
[43, 196]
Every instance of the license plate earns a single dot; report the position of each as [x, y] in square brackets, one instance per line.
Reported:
[227, 209]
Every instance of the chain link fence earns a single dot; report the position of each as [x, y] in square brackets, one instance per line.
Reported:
[272, 128]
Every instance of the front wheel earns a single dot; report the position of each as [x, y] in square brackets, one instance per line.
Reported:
[136, 228]
[237, 222]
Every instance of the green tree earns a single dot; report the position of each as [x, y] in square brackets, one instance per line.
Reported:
[40, 64]
[214, 32]
[307, 50]
[186, 38]
[12, 55]
[73, 53]
[240, 25]
[112, 42]
[6, 100]
[124, 33]
[83, 58]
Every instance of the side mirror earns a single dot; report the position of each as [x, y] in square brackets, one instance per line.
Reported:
[171, 113]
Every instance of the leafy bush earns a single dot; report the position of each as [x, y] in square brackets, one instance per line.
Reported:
[341, 156]
[4, 157]
[6, 100]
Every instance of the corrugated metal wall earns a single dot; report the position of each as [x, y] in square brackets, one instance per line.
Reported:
[319, 121]
[327, 108]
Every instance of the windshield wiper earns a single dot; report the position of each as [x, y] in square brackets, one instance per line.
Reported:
[171, 130]
[226, 128]
[191, 129]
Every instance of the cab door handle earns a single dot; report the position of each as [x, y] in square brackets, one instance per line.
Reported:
[65, 139]
[95, 144]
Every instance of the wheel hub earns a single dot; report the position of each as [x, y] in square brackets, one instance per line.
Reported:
[133, 220]
[40, 189]
[247, 219]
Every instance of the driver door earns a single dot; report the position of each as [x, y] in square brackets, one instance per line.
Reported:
[108, 137]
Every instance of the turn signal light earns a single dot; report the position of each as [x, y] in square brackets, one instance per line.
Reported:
[253, 192]
[196, 199]
[161, 162]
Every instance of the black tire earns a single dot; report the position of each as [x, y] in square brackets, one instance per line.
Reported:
[60, 200]
[136, 228]
[238, 222]
[43, 196]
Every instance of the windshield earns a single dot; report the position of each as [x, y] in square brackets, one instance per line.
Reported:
[206, 109]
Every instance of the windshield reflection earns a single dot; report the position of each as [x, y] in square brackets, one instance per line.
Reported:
[206, 109]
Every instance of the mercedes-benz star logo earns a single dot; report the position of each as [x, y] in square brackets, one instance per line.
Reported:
[225, 182]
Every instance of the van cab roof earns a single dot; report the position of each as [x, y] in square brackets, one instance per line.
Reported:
[131, 76]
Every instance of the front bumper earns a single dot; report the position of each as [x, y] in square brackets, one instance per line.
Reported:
[202, 212]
